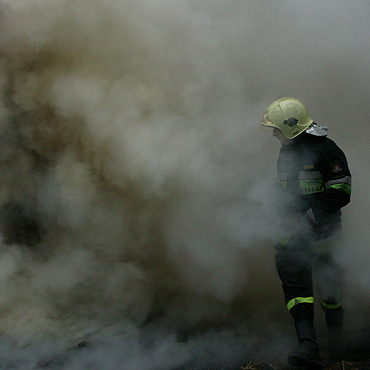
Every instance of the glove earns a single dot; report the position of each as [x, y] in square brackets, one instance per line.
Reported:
[309, 218]
[303, 228]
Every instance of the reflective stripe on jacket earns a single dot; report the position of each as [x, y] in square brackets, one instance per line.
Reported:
[313, 173]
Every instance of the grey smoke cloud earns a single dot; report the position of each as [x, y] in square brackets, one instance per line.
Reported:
[130, 137]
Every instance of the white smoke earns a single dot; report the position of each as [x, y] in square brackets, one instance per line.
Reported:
[130, 144]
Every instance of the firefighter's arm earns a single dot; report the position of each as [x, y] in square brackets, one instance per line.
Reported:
[337, 185]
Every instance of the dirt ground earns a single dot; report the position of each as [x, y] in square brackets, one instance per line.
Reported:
[355, 355]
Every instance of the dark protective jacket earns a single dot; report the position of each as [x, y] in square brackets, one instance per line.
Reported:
[314, 174]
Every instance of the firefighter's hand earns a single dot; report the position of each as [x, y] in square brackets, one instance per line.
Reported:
[307, 223]
[309, 218]
[302, 228]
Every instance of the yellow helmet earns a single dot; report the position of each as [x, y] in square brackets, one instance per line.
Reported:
[288, 115]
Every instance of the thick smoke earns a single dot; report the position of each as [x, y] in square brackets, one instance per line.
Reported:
[136, 214]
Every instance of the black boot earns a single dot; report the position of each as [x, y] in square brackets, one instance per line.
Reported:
[334, 322]
[308, 354]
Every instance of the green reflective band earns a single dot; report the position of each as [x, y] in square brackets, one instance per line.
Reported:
[297, 300]
[342, 187]
[330, 306]
[283, 241]
[311, 186]
[310, 175]
[323, 246]
[284, 184]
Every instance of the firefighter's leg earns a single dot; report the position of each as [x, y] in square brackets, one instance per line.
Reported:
[294, 266]
[329, 277]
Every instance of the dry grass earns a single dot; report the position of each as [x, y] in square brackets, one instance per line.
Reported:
[354, 356]
[356, 364]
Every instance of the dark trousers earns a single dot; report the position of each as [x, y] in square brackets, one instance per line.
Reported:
[295, 263]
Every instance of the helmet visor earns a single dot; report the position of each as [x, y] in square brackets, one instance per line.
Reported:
[266, 120]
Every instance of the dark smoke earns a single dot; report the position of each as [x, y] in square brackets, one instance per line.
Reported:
[134, 208]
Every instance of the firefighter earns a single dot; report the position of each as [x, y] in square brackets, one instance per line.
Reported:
[315, 183]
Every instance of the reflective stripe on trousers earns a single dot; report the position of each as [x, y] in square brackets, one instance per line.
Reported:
[297, 300]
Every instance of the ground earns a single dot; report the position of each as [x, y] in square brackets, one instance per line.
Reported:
[354, 356]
